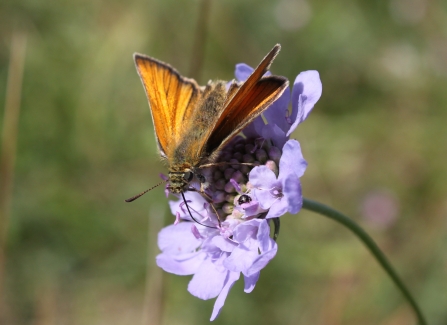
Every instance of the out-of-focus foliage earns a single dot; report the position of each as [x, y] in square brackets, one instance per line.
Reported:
[376, 145]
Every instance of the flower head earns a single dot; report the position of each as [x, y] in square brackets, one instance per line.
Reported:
[256, 178]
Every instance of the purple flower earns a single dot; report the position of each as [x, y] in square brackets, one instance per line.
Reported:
[228, 235]
[282, 193]
[216, 256]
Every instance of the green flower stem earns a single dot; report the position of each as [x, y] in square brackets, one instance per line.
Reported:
[370, 244]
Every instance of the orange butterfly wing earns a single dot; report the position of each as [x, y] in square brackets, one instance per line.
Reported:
[248, 102]
[172, 99]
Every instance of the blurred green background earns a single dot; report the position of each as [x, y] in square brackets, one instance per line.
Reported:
[376, 144]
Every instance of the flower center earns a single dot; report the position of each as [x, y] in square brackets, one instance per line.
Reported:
[276, 192]
[229, 177]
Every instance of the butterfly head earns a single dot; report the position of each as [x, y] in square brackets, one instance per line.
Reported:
[179, 180]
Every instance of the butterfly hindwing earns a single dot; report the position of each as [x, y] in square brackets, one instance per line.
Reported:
[172, 99]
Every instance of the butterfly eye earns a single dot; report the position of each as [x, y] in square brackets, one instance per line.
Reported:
[188, 176]
[201, 178]
[244, 198]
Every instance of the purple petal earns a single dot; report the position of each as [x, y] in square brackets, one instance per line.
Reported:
[264, 196]
[243, 71]
[254, 129]
[292, 160]
[250, 282]
[236, 185]
[246, 230]
[277, 209]
[240, 259]
[261, 261]
[195, 202]
[292, 193]
[208, 281]
[297, 113]
[263, 236]
[185, 264]
[262, 177]
[274, 133]
[196, 232]
[223, 243]
[307, 90]
[249, 209]
[231, 279]
[211, 249]
[178, 239]
[278, 111]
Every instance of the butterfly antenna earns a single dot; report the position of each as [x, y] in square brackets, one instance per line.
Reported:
[224, 163]
[133, 198]
[190, 214]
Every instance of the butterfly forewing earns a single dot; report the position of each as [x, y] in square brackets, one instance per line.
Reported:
[257, 74]
[248, 102]
[172, 100]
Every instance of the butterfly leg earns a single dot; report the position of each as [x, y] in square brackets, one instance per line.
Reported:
[203, 183]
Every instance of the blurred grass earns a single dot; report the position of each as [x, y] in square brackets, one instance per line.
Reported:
[77, 253]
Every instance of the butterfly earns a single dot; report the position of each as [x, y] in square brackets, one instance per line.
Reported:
[193, 123]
